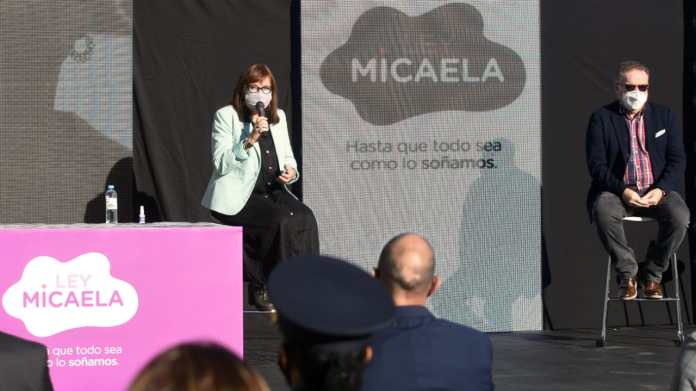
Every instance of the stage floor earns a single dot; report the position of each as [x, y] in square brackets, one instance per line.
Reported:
[640, 358]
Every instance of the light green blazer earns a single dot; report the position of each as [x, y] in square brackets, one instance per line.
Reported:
[236, 169]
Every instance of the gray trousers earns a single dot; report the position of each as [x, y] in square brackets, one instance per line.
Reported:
[672, 216]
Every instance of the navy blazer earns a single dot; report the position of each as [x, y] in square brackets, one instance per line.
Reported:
[607, 149]
[421, 352]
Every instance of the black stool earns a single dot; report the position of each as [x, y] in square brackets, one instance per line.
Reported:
[602, 341]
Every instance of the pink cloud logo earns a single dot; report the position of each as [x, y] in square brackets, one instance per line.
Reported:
[53, 296]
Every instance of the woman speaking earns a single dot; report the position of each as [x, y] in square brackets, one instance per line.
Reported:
[253, 166]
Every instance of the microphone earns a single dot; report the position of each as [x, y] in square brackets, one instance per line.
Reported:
[260, 109]
[262, 113]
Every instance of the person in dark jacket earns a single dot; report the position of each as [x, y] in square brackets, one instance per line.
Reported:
[418, 351]
[23, 365]
[635, 156]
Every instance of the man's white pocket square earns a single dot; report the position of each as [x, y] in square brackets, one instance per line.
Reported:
[660, 133]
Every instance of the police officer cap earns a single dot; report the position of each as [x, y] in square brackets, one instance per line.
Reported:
[321, 299]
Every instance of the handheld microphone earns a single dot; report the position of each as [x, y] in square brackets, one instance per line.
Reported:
[260, 109]
[262, 113]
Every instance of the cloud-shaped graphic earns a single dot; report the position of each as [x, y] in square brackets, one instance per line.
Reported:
[52, 296]
[395, 66]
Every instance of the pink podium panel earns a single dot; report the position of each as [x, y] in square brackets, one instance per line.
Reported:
[106, 299]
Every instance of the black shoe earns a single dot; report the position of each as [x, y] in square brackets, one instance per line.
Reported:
[259, 296]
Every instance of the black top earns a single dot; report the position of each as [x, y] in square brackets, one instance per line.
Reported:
[267, 181]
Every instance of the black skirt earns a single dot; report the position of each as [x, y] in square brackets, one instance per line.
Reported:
[276, 224]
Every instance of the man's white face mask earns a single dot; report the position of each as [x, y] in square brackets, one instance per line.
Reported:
[634, 100]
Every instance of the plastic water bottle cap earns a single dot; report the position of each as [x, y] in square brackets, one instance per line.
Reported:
[110, 187]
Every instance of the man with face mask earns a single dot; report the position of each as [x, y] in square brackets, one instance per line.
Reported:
[635, 156]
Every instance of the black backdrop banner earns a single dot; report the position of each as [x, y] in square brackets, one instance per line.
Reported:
[690, 124]
[188, 57]
[582, 44]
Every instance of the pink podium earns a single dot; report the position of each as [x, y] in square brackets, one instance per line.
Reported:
[104, 299]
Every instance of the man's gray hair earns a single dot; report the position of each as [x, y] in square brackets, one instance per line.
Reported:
[629, 65]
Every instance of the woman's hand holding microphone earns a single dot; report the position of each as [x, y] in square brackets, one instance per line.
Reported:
[260, 127]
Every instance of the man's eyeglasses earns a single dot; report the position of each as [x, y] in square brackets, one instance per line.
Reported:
[632, 87]
[265, 90]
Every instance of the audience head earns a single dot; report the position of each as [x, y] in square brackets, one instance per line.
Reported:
[326, 310]
[197, 367]
[407, 269]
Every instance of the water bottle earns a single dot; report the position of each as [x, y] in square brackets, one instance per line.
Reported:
[141, 215]
[111, 205]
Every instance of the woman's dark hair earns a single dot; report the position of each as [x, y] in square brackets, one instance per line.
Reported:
[324, 369]
[197, 367]
[252, 74]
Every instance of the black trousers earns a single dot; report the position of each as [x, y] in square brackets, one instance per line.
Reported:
[672, 216]
[276, 226]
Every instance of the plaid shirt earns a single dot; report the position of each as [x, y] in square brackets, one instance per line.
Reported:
[638, 168]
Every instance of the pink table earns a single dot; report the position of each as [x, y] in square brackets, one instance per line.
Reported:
[105, 299]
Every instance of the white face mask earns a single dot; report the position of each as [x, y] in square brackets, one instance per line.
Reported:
[634, 100]
[251, 98]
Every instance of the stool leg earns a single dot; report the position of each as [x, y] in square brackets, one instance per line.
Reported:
[603, 339]
[685, 304]
[680, 325]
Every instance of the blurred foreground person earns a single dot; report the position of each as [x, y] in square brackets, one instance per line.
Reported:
[326, 321]
[684, 378]
[23, 365]
[197, 367]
